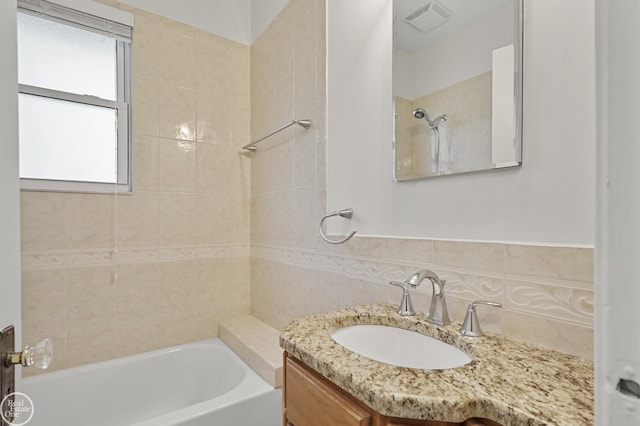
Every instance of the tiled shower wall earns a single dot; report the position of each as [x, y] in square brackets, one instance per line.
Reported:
[547, 291]
[105, 275]
[465, 138]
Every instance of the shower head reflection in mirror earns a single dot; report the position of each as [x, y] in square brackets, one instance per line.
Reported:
[421, 114]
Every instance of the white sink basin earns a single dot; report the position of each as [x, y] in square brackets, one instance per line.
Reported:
[400, 347]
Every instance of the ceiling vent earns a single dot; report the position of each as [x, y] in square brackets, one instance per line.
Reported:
[428, 17]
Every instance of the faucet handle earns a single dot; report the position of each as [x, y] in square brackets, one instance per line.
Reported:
[471, 325]
[406, 307]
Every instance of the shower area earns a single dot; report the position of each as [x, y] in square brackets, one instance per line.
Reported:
[106, 275]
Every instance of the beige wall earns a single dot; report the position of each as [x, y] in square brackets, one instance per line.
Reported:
[106, 276]
[547, 291]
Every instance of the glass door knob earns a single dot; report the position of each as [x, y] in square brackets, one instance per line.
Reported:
[39, 355]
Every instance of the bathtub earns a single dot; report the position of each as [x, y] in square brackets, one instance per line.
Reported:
[197, 384]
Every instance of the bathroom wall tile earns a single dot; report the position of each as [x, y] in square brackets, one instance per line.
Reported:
[44, 304]
[177, 165]
[175, 57]
[176, 113]
[137, 219]
[305, 221]
[559, 302]
[93, 341]
[240, 212]
[177, 218]
[140, 292]
[213, 117]
[43, 220]
[417, 250]
[85, 288]
[211, 219]
[283, 211]
[304, 156]
[305, 32]
[90, 219]
[481, 256]
[218, 169]
[559, 335]
[145, 163]
[145, 55]
[278, 152]
[239, 121]
[222, 219]
[305, 85]
[470, 286]
[144, 108]
[282, 108]
[575, 264]
[255, 226]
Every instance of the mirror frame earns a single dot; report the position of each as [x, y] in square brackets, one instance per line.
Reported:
[518, 103]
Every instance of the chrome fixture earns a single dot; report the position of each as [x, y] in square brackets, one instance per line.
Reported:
[421, 114]
[306, 123]
[406, 307]
[38, 356]
[438, 310]
[471, 325]
[347, 214]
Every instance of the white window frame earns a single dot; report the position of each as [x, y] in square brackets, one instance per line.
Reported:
[90, 20]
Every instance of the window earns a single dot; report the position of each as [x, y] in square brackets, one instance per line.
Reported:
[74, 101]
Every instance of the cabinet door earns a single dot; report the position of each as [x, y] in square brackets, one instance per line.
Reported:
[310, 401]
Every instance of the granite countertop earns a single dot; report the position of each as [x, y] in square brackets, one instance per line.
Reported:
[510, 382]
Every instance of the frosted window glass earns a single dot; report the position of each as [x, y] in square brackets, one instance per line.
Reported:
[61, 57]
[61, 140]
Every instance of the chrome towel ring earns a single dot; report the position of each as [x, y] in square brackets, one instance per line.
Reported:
[347, 214]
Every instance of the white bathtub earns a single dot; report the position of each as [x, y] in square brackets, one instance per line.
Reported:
[197, 384]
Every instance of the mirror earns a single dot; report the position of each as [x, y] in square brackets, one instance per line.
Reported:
[457, 86]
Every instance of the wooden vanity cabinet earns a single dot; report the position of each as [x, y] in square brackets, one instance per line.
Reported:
[312, 400]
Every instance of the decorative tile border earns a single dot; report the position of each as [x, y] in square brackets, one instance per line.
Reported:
[61, 259]
[554, 301]
[551, 299]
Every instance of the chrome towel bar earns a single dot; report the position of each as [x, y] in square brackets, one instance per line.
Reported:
[306, 123]
[347, 214]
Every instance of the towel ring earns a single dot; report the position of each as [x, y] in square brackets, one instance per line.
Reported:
[347, 214]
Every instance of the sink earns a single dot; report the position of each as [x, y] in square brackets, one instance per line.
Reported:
[400, 347]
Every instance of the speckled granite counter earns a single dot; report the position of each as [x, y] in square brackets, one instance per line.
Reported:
[510, 382]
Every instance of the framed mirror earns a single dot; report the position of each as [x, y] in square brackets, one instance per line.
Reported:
[457, 67]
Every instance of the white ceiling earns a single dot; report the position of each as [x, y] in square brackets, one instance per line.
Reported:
[239, 20]
[463, 12]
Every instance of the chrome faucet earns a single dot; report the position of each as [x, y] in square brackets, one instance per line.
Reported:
[438, 310]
